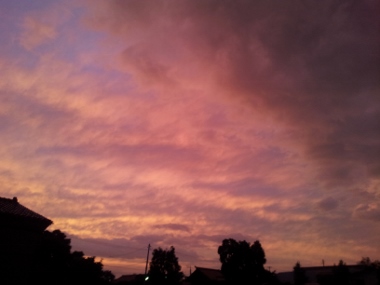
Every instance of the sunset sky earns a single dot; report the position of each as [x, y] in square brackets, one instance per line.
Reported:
[129, 122]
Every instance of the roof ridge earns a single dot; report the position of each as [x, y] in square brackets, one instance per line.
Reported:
[13, 207]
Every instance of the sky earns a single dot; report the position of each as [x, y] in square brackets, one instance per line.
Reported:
[182, 123]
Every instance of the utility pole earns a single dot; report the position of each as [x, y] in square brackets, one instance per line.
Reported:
[147, 258]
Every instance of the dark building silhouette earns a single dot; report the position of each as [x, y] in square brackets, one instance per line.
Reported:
[206, 276]
[20, 234]
[324, 275]
[133, 279]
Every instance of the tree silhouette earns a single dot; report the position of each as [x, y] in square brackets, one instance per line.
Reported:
[370, 266]
[85, 270]
[243, 263]
[341, 274]
[299, 274]
[164, 267]
[53, 257]
[55, 264]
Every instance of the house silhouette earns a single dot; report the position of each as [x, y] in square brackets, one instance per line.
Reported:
[206, 276]
[21, 231]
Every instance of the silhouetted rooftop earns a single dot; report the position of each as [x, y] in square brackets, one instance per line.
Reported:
[129, 278]
[311, 272]
[211, 274]
[11, 207]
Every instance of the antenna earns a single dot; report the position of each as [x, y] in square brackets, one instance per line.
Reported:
[147, 258]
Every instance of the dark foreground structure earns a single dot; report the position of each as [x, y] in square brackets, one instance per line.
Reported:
[133, 279]
[21, 233]
[30, 254]
[206, 276]
[327, 275]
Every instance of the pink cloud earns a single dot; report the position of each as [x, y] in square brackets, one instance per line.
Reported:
[36, 33]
